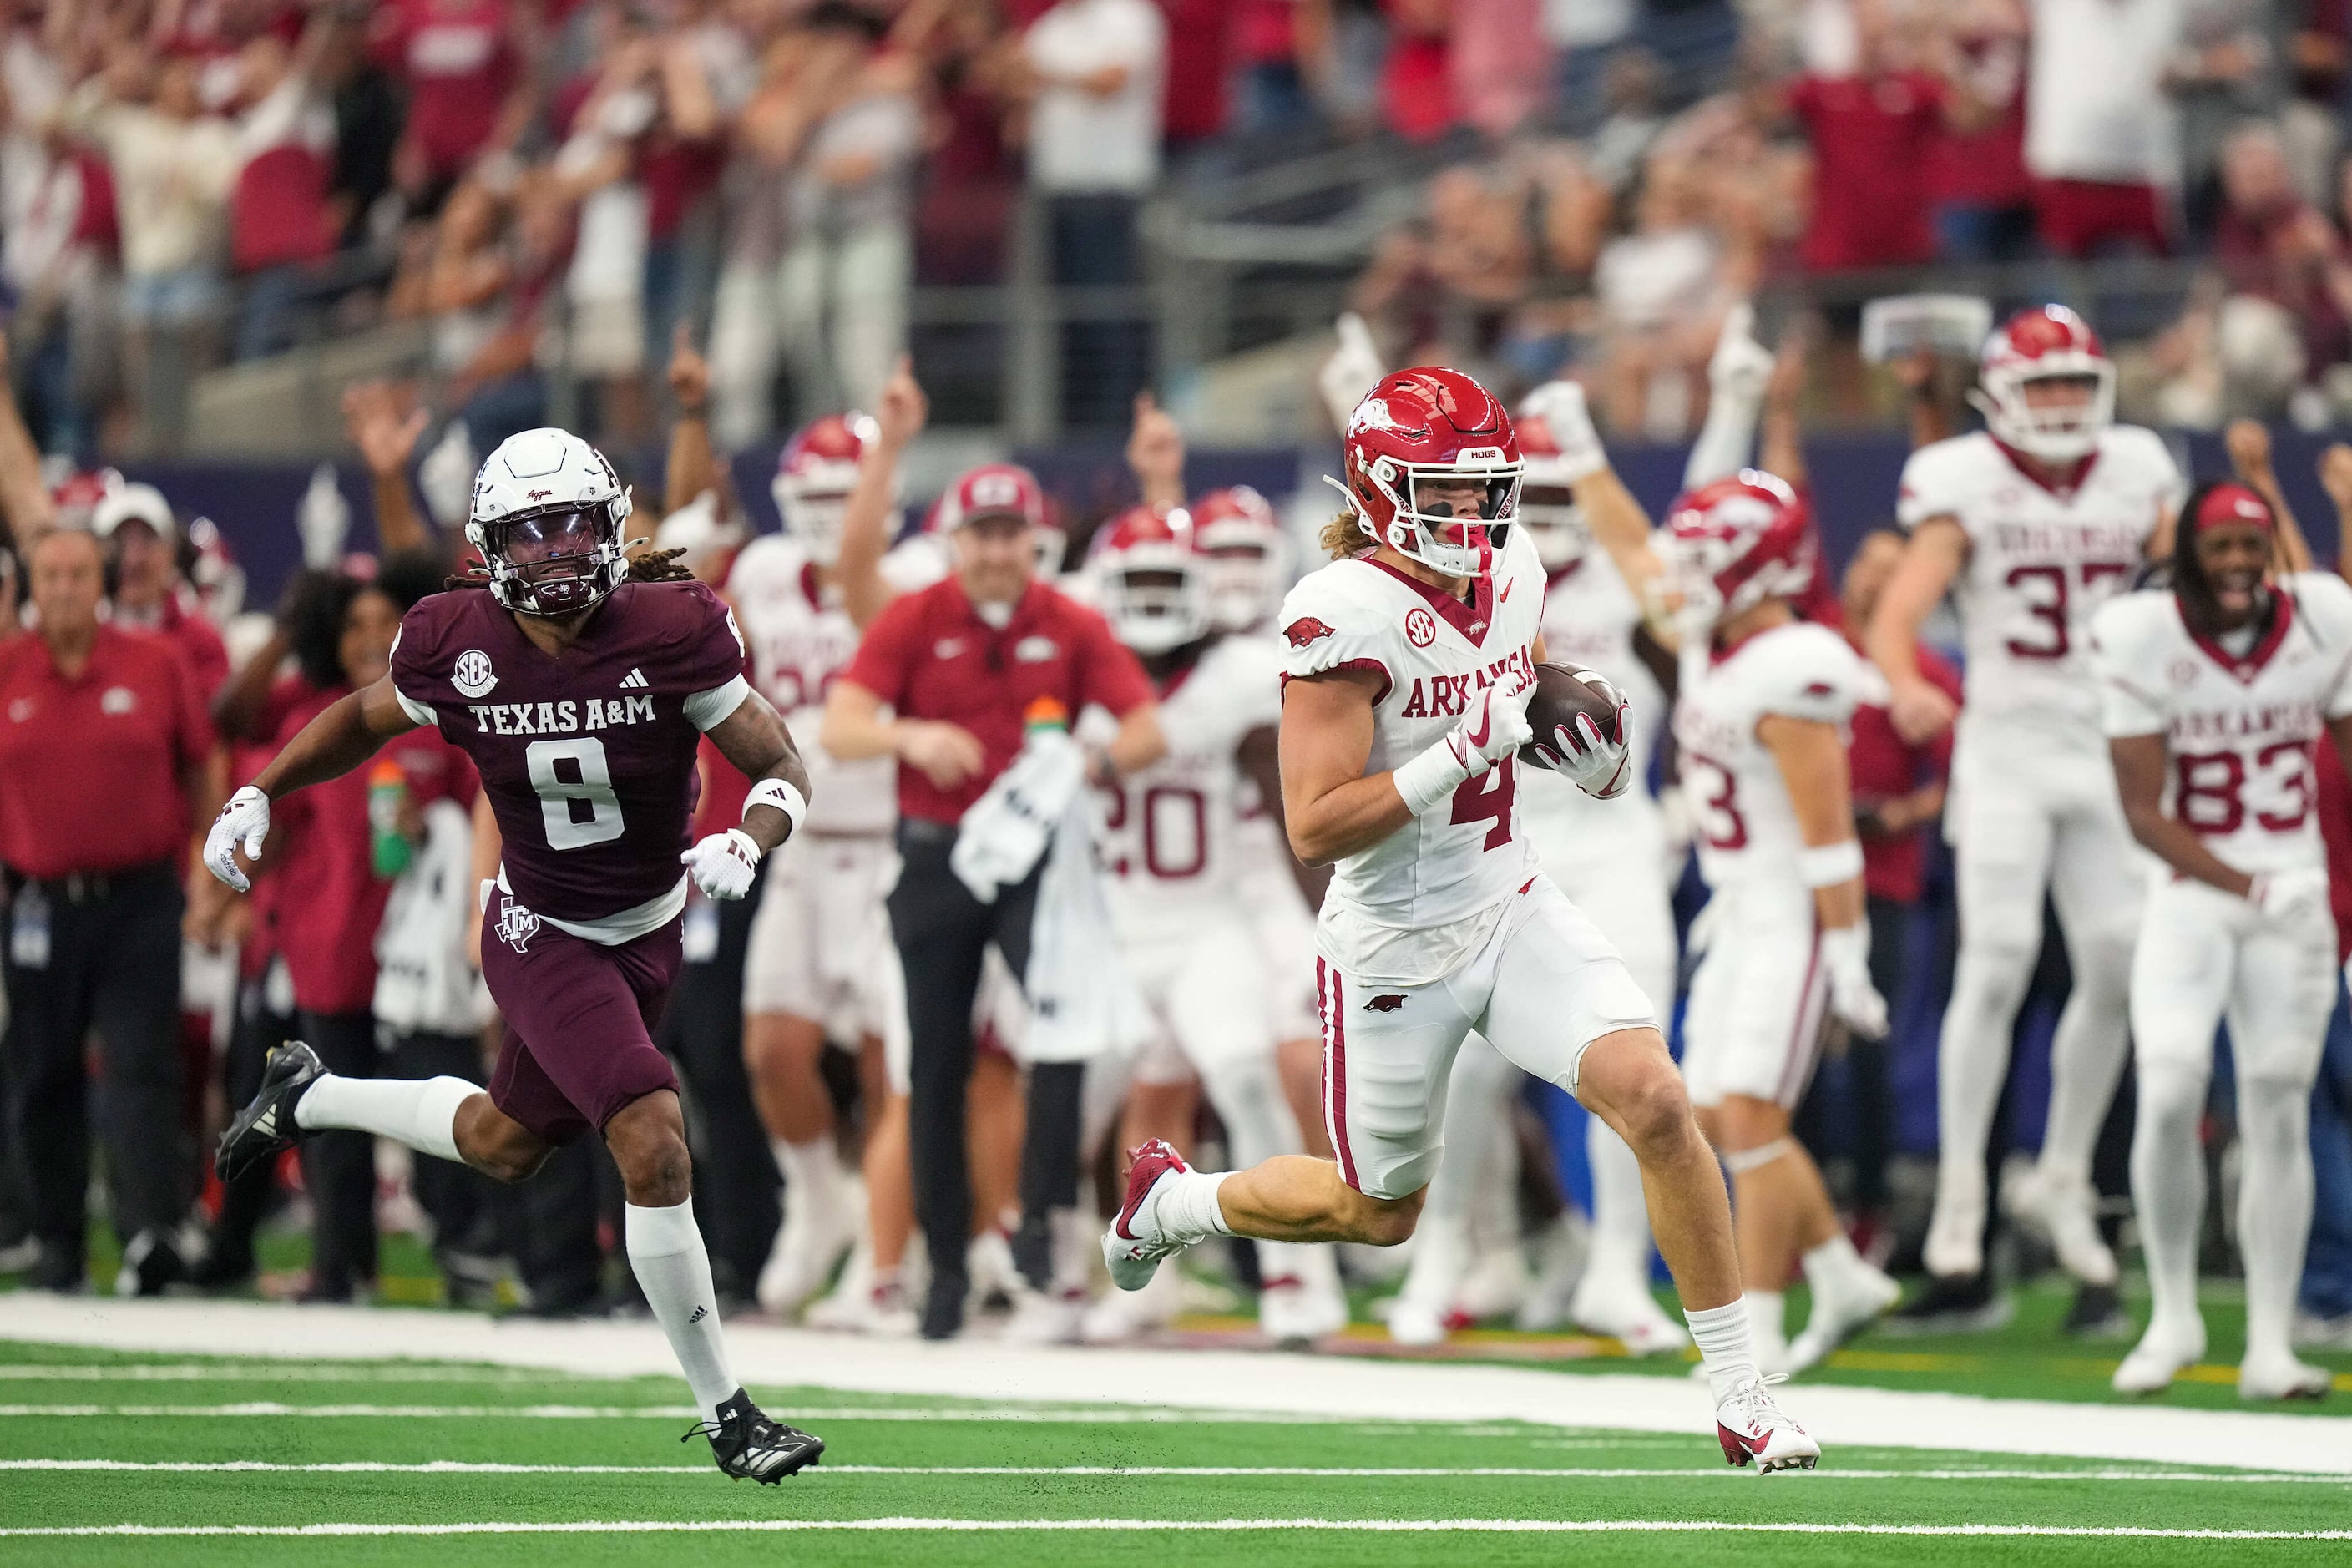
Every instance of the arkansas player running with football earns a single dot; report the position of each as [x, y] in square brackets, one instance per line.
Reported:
[2032, 522]
[2215, 692]
[1410, 658]
[580, 683]
[1172, 845]
[1610, 861]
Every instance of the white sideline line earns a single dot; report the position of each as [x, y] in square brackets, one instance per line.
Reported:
[267, 1372]
[486, 1468]
[1109, 1416]
[1361, 1526]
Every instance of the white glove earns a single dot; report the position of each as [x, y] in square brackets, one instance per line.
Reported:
[1561, 404]
[723, 864]
[1580, 751]
[245, 819]
[1494, 726]
[1740, 366]
[1845, 953]
[2291, 896]
[1354, 368]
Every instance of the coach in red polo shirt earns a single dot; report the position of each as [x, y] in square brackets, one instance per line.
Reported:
[107, 764]
[943, 681]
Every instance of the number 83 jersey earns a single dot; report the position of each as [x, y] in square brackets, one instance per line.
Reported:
[1430, 653]
[587, 756]
[2238, 723]
[2041, 560]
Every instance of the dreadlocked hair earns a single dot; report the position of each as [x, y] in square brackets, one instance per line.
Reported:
[2200, 607]
[1343, 536]
[645, 566]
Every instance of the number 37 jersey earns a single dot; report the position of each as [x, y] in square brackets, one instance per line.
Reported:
[587, 756]
[2238, 726]
[1430, 654]
[2041, 562]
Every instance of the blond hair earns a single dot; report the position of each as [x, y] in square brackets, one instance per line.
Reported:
[1343, 536]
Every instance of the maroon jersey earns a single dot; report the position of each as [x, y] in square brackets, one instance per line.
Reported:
[588, 756]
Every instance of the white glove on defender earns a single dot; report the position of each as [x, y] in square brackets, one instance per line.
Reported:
[1562, 407]
[1580, 753]
[1495, 725]
[245, 820]
[723, 865]
[2289, 897]
[1853, 999]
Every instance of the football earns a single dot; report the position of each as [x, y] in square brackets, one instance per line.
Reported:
[1559, 697]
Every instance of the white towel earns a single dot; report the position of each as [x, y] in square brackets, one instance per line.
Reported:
[1082, 1002]
[424, 983]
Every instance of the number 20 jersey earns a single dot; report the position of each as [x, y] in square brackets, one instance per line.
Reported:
[2041, 562]
[2238, 728]
[1431, 655]
[587, 756]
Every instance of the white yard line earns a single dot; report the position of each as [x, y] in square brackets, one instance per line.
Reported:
[484, 1468]
[261, 1371]
[1230, 1381]
[1361, 1526]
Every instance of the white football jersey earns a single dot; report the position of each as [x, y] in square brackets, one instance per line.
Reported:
[1741, 816]
[2041, 562]
[1170, 833]
[1463, 858]
[1590, 617]
[2238, 727]
[799, 639]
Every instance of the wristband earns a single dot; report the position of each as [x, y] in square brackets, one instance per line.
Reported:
[1827, 865]
[1429, 777]
[784, 795]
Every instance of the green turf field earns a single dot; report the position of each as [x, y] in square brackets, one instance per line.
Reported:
[173, 1441]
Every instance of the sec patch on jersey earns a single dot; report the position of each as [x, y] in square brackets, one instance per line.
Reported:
[1562, 692]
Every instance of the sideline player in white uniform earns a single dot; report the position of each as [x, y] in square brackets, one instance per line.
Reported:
[1761, 727]
[2215, 692]
[2034, 523]
[1409, 666]
[1611, 860]
[1172, 847]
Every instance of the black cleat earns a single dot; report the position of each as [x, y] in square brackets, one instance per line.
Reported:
[748, 1445]
[1963, 1305]
[943, 1307]
[2097, 1314]
[265, 1128]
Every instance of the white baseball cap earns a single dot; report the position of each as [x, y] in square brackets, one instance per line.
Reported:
[124, 502]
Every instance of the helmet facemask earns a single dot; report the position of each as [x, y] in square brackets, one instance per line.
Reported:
[1154, 604]
[1443, 540]
[555, 560]
[2060, 431]
[1555, 524]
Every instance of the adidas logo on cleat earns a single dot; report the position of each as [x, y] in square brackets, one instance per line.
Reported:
[267, 1125]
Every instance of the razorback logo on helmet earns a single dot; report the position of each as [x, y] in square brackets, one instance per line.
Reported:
[1372, 414]
[1306, 630]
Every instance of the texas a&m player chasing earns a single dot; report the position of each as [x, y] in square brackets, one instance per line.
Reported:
[579, 681]
[1409, 661]
[2034, 523]
[2215, 692]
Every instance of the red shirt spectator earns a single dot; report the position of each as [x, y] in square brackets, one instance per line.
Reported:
[1875, 141]
[1417, 80]
[1986, 167]
[323, 842]
[459, 60]
[199, 643]
[1884, 767]
[2334, 796]
[1200, 58]
[930, 656]
[94, 768]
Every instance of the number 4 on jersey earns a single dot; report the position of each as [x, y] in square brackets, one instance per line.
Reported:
[1487, 798]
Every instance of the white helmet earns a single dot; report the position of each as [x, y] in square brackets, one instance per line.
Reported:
[547, 518]
[1248, 558]
[2049, 342]
[1151, 584]
[814, 474]
[1549, 514]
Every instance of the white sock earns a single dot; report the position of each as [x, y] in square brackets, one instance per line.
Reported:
[1833, 1266]
[666, 1253]
[1726, 1344]
[812, 1172]
[1767, 1316]
[1188, 1211]
[419, 1112]
[2167, 1180]
[2274, 1201]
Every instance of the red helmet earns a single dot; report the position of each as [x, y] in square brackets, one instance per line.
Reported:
[1548, 511]
[1431, 426]
[1738, 541]
[815, 475]
[2049, 342]
[1149, 578]
[1002, 490]
[1248, 558]
[75, 494]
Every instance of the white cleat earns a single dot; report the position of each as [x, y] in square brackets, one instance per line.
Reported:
[2282, 1377]
[1417, 1324]
[988, 1265]
[1562, 1260]
[1752, 1428]
[1135, 1246]
[2066, 1210]
[1497, 1285]
[880, 1309]
[1837, 1318]
[1612, 1303]
[1955, 1247]
[1046, 1318]
[1125, 1315]
[2161, 1355]
[1299, 1309]
[812, 1240]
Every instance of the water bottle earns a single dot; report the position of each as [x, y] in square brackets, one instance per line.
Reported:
[387, 803]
